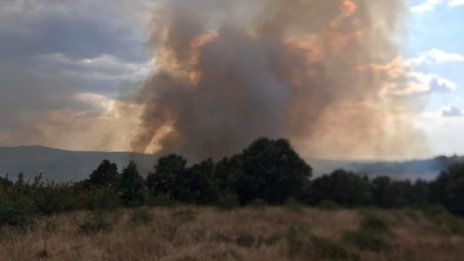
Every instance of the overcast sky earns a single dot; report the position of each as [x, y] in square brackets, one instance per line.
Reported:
[64, 63]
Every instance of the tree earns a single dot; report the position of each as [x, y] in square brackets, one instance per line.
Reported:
[106, 175]
[132, 186]
[392, 194]
[269, 170]
[198, 183]
[163, 180]
[448, 189]
[343, 187]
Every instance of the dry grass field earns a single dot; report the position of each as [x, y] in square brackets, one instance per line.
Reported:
[197, 233]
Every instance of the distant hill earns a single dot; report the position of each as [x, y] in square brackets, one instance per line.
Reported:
[426, 169]
[63, 165]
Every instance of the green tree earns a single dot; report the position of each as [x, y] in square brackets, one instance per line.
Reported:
[270, 170]
[448, 189]
[343, 187]
[132, 186]
[106, 175]
[198, 183]
[164, 179]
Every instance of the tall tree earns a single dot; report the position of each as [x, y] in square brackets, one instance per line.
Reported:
[132, 186]
[269, 170]
[164, 179]
[106, 175]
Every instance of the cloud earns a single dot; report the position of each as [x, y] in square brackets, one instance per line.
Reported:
[436, 56]
[417, 84]
[456, 2]
[62, 64]
[401, 81]
[429, 5]
[452, 111]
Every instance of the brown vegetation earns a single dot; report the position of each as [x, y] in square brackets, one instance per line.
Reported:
[197, 233]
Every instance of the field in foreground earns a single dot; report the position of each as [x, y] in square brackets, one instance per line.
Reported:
[194, 233]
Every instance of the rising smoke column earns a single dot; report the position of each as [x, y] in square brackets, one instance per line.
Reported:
[227, 72]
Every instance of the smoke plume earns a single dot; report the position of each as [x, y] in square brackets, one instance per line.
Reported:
[227, 72]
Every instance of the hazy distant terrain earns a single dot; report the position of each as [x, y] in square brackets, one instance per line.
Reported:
[63, 165]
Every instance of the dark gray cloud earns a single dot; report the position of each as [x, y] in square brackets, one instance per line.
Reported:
[53, 51]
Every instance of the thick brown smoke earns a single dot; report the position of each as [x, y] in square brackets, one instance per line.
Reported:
[228, 72]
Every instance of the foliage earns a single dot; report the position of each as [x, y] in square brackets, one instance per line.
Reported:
[330, 250]
[19, 212]
[132, 186]
[142, 216]
[96, 222]
[343, 187]
[372, 234]
[164, 180]
[266, 172]
[106, 175]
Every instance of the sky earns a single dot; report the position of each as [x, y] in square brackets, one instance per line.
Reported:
[67, 66]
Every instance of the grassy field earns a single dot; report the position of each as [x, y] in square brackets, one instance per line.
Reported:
[271, 233]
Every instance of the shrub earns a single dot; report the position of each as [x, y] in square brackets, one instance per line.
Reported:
[293, 205]
[366, 239]
[18, 213]
[328, 205]
[161, 200]
[295, 237]
[376, 222]
[326, 249]
[227, 201]
[96, 222]
[442, 217]
[183, 215]
[142, 216]
[258, 203]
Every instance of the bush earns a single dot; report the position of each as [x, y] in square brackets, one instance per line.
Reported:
[96, 222]
[372, 233]
[376, 222]
[18, 213]
[329, 250]
[161, 200]
[183, 215]
[328, 205]
[258, 203]
[442, 217]
[142, 216]
[293, 205]
[295, 237]
[227, 201]
[366, 239]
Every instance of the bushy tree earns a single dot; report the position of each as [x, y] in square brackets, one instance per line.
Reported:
[164, 179]
[343, 187]
[270, 170]
[132, 186]
[106, 175]
[198, 183]
[448, 189]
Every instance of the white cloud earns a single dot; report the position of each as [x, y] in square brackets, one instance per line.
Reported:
[452, 111]
[456, 2]
[426, 6]
[436, 56]
[429, 5]
[414, 84]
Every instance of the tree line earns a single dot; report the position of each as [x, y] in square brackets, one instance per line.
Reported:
[267, 171]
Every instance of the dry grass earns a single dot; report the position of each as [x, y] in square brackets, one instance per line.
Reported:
[211, 234]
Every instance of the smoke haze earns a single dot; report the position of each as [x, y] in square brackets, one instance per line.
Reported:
[228, 72]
